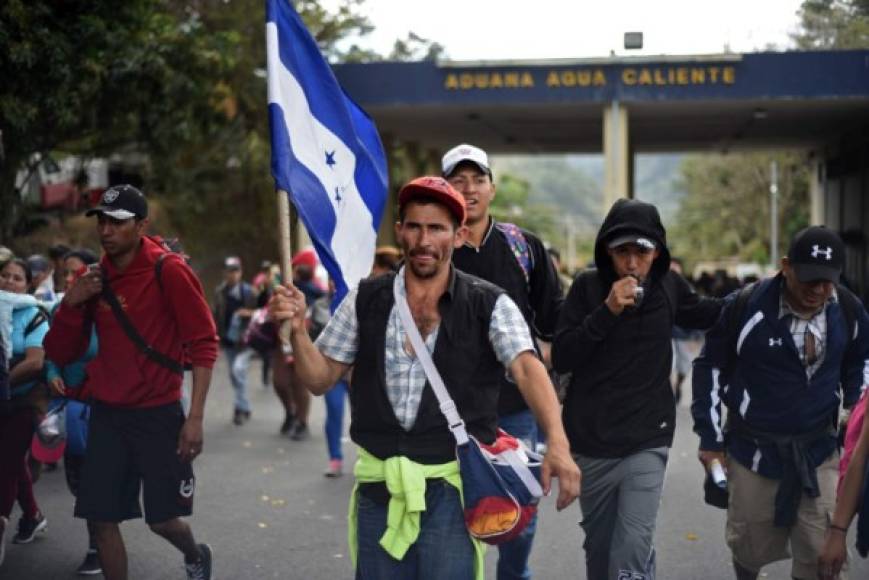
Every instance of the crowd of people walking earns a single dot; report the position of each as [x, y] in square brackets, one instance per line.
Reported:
[123, 346]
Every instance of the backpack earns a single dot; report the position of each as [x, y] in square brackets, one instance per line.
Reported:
[519, 246]
[40, 317]
[171, 246]
[262, 333]
[6, 390]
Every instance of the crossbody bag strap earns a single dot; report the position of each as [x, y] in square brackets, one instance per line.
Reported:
[133, 334]
[445, 402]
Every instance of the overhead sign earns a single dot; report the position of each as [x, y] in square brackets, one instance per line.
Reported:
[764, 75]
[580, 77]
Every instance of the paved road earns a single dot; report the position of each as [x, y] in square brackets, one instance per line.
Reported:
[264, 506]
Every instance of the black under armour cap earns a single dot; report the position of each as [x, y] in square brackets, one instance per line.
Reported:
[121, 202]
[817, 253]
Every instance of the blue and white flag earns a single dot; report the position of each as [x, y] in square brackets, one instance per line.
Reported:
[325, 150]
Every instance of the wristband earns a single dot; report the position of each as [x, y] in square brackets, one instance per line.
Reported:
[838, 528]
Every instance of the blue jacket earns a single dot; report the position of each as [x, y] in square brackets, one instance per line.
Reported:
[758, 374]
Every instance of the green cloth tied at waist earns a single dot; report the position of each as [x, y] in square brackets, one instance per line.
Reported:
[406, 482]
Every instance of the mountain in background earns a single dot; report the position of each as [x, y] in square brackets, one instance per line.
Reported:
[573, 184]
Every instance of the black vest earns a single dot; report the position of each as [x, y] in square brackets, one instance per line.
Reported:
[463, 355]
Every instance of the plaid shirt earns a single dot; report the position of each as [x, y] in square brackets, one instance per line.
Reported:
[816, 324]
[405, 377]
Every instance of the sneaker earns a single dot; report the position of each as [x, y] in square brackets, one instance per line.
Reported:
[91, 565]
[334, 469]
[201, 569]
[3, 523]
[28, 528]
[238, 417]
[300, 432]
[287, 425]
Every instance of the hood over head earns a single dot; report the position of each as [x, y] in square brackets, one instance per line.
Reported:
[631, 216]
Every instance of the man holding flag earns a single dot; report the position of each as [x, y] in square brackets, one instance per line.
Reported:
[407, 510]
[327, 155]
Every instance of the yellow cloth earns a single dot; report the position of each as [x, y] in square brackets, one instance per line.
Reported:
[405, 480]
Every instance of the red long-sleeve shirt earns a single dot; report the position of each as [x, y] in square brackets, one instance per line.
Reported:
[174, 320]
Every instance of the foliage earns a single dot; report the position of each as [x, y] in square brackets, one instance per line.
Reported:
[94, 77]
[726, 210]
[511, 205]
[328, 28]
[229, 169]
[833, 24]
[415, 47]
[556, 182]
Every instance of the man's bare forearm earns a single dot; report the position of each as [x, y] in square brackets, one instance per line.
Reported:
[199, 391]
[537, 389]
[317, 372]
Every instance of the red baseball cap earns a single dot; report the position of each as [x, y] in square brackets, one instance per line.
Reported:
[437, 188]
[306, 257]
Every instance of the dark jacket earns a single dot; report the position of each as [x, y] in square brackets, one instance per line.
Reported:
[539, 297]
[225, 306]
[619, 400]
[463, 355]
[758, 375]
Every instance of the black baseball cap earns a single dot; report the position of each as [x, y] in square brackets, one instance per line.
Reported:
[121, 202]
[636, 238]
[817, 253]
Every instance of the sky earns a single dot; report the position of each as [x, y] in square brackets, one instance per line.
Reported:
[537, 29]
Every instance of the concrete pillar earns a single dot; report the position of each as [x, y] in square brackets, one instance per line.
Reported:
[618, 155]
[817, 193]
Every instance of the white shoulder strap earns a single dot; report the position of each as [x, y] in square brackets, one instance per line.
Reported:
[446, 404]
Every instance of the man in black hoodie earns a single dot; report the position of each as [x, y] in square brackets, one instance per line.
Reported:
[613, 334]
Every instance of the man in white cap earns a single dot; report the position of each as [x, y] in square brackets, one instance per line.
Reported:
[234, 303]
[515, 260]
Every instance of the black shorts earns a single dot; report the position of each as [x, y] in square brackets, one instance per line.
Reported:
[129, 449]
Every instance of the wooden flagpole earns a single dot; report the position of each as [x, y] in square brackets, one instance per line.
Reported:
[284, 235]
[286, 256]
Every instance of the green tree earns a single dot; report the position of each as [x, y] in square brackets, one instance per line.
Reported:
[415, 47]
[225, 173]
[833, 24]
[94, 77]
[726, 209]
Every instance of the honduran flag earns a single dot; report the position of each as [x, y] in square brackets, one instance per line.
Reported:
[326, 152]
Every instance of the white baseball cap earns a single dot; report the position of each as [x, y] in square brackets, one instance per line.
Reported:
[465, 152]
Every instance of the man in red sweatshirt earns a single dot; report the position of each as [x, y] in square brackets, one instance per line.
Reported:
[150, 314]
